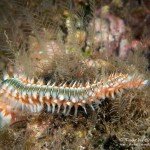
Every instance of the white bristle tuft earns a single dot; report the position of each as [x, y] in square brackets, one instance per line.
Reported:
[39, 107]
[34, 108]
[146, 82]
[48, 107]
[30, 107]
[58, 110]
[74, 84]
[61, 97]
[35, 94]
[40, 82]
[73, 99]
[53, 107]
[92, 107]
[54, 84]
[69, 109]
[70, 85]
[64, 84]
[47, 95]
[23, 78]
[16, 76]
[41, 96]
[6, 120]
[30, 100]
[6, 76]
[14, 93]
[31, 81]
[49, 83]
[84, 108]
[10, 88]
[87, 84]
[64, 111]
[60, 84]
[112, 95]
[24, 94]
[81, 85]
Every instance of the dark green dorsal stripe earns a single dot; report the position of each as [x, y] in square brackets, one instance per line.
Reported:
[54, 91]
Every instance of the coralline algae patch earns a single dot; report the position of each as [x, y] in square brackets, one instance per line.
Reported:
[24, 94]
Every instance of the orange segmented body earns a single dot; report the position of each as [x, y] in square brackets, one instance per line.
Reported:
[24, 94]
